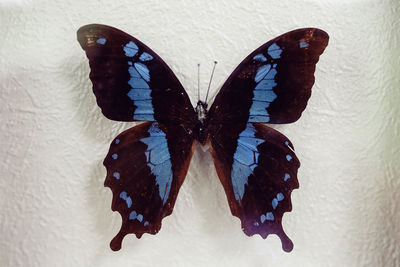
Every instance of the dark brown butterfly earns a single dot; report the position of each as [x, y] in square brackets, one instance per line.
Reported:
[147, 164]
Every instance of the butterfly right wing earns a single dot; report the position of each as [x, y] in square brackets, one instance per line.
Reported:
[146, 166]
[258, 170]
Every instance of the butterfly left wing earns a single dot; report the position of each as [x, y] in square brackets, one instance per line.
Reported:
[146, 166]
[130, 81]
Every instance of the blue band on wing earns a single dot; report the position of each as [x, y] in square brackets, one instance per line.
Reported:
[159, 160]
[245, 160]
[263, 94]
[140, 92]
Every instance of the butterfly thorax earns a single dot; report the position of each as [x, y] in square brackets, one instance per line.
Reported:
[200, 129]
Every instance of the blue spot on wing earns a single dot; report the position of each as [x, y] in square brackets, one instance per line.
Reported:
[130, 49]
[117, 141]
[287, 177]
[288, 157]
[269, 216]
[158, 159]
[274, 203]
[145, 57]
[116, 175]
[280, 196]
[101, 41]
[274, 51]
[127, 199]
[260, 57]
[303, 44]
[114, 156]
[132, 215]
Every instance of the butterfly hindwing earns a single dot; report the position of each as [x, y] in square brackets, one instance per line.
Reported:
[258, 170]
[272, 84]
[130, 81]
[146, 165]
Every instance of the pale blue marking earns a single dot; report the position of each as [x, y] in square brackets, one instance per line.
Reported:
[117, 141]
[271, 74]
[143, 107]
[127, 199]
[288, 157]
[265, 85]
[269, 216]
[116, 175]
[145, 57]
[274, 51]
[287, 143]
[114, 156]
[256, 224]
[140, 217]
[101, 41]
[280, 196]
[249, 131]
[158, 157]
[245, 160]
[138, 83]
[258, 108]
[250, 142]
[132, 215]
[141, 98]
[258, 118]
[258, 112]
[287, 177]
[262, 95]
[130, 63]
[130, 49]
[146, 223]
[128, 202]
[143, 71]
[303, 44]
[144, 117]
[274, 203]
[239, 176]
[260, 57]
[262, 72]
[123, 195]
[262, 218]
[134, 73]
[139, 94]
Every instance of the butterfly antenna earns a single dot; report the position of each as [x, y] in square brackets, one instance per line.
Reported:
[198, 82]
[209, 84]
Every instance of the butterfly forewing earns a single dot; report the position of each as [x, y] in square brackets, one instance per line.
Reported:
[272, 84]
[130, 81]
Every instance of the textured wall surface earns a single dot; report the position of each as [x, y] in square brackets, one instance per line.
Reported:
[54, 209]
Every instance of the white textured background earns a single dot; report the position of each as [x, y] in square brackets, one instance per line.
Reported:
[53, 137]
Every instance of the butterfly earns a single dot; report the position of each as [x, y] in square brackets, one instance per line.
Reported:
[147, 164]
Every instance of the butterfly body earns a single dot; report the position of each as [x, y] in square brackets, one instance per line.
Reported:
[147, 164]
